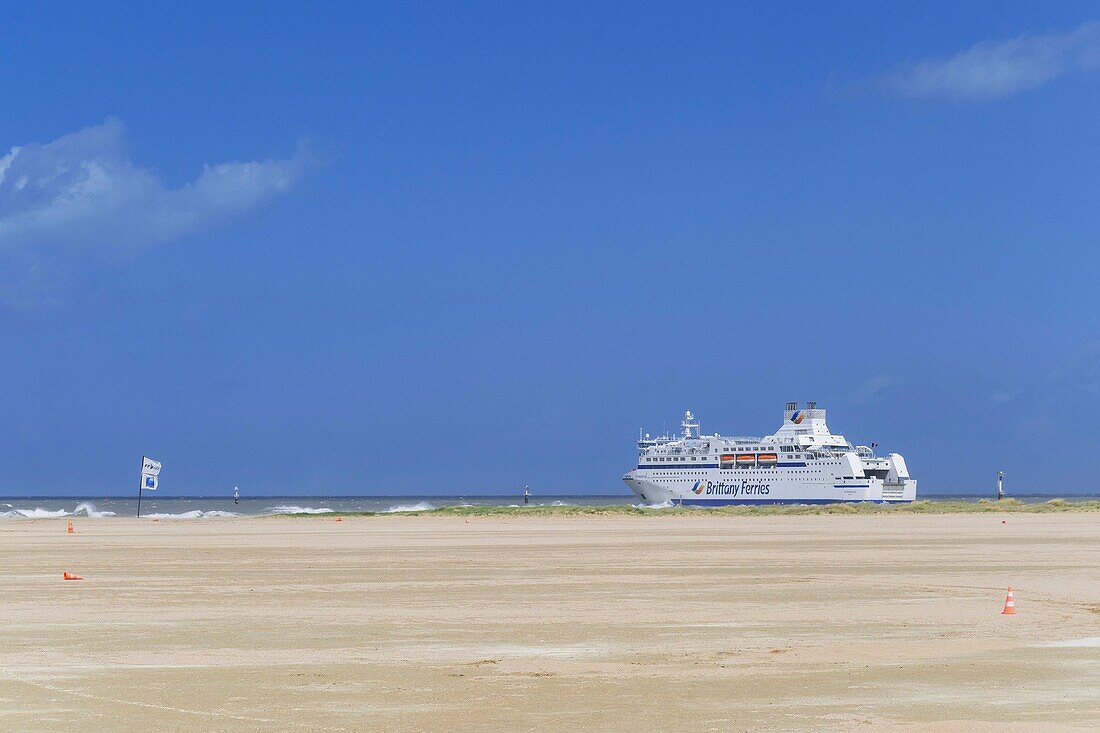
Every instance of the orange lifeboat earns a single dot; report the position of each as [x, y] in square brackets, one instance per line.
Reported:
[768, 458]
[746, 459]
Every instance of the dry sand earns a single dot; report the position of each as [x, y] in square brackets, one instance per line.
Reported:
[586, 623]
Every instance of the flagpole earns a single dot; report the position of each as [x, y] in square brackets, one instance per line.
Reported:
[139, 485]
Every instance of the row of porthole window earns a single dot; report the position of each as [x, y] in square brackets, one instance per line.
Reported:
[696, 458]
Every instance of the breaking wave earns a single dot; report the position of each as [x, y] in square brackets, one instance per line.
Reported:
[193, 514]
[86, 508]
[283, 509]
[36, 513]
[420, 506]
[666, 504]
[556, 502]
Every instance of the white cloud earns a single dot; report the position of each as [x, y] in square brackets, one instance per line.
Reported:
[869, 388]
[994, 69]
[1078, 373]
[81, 194]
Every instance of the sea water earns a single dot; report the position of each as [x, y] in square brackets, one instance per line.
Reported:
[163, 507]
[215, 507]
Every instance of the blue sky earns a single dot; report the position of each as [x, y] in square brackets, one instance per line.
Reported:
[457, 249]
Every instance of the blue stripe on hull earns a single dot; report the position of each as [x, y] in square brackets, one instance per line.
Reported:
[742, 502]
[678, 468]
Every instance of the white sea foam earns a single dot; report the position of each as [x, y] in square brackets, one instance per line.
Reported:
[666, 504]
[89, 509]
[556, 502]
[193, 514]
[284, 509]
[86, 508]
[36, 513]
[420, 506]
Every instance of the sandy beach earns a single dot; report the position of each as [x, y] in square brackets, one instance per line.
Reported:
[551, 623]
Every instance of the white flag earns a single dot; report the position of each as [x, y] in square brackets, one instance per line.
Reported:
[150, 474]
[148, 465]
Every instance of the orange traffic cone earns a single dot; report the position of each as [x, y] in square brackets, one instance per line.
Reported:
[70, 576]
[1010, 603]
[70, 526]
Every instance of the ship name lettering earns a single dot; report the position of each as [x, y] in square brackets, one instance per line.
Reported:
[744, 488]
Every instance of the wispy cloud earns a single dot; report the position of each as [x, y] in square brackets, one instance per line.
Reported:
[1078, 373]
[869, 388]
[81, 195]
[995, 69]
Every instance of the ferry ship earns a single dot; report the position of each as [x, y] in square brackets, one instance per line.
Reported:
[801, 463]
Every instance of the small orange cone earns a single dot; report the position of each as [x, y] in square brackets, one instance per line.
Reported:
[70, 526]
[338, 519]
[70, 576]
[1010, 603]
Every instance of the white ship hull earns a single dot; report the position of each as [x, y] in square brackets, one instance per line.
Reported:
[715, 487]
[802, 463]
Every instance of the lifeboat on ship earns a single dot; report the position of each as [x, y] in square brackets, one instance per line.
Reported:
[746, 459]
[768, 459]
[726, 460]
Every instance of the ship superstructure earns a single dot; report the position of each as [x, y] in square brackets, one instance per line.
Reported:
[801, 463]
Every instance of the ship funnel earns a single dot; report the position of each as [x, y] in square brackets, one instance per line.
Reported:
[809, 418]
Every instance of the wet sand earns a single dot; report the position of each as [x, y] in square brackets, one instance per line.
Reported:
[586, 623]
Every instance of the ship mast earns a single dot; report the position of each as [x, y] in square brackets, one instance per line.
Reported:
[689, 424]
